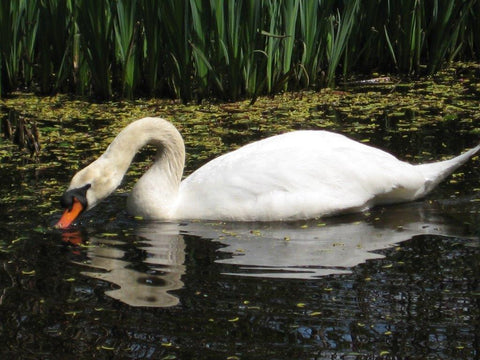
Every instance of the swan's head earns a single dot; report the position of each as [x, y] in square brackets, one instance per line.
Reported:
[75, 202]
[87, 188]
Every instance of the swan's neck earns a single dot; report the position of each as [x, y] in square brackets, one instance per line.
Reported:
[156, 191]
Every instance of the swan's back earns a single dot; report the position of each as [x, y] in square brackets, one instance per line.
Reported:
[297, 175]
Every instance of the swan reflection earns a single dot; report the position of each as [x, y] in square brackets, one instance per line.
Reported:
[146, 270]
[162, 257]
[308, 250]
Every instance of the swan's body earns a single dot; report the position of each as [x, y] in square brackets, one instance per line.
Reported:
[297, 175]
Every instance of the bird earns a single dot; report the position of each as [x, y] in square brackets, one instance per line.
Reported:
[297, 175]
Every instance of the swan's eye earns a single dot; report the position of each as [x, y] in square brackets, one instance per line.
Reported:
[80, 194]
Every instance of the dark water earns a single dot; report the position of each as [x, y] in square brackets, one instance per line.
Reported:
[397, 282]
[360, 286]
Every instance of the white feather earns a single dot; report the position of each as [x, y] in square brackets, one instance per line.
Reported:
[297, 175]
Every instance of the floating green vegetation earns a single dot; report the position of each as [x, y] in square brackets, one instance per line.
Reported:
[74, 131]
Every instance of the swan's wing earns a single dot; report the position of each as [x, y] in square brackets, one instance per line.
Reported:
[292, 176]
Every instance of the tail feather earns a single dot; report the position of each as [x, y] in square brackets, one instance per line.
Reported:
[435, 172]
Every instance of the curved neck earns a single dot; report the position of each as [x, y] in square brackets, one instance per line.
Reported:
[157, 189]
[149, 131]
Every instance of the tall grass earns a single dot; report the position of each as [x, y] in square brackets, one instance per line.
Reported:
[341, 26]
[11, 15]
[152, 49]
[472, 29]
[446, 24]
[95, 27]
[55, 46]
[126, 37]
[192, 49]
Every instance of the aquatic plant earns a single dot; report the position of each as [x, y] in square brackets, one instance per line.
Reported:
[126, 29]
[11, 14]
[95, 25]
[55, 47]
[193, 49]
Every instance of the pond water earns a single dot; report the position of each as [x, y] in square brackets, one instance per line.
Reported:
[395, 282]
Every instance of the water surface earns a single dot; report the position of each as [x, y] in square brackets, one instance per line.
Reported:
[394, 282]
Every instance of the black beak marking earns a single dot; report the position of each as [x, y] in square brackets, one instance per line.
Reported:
[80, 194]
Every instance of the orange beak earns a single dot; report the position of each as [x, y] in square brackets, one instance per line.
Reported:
[70, 215]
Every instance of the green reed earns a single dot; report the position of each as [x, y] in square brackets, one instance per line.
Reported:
[446, 25]
[151, 68]
[11, 27]
[95, 27]
[341, 26]
[192, 49]
[55, 46]
[126, 35]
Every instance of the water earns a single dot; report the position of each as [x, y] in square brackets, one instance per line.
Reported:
[162, 290]
[395, 282]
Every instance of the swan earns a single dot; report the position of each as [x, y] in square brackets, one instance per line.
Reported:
[296, 175]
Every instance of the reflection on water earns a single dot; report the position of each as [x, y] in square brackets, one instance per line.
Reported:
[148, 268]
[317, 248]
[143, 278]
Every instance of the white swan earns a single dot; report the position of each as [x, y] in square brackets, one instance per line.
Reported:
[297, 175]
